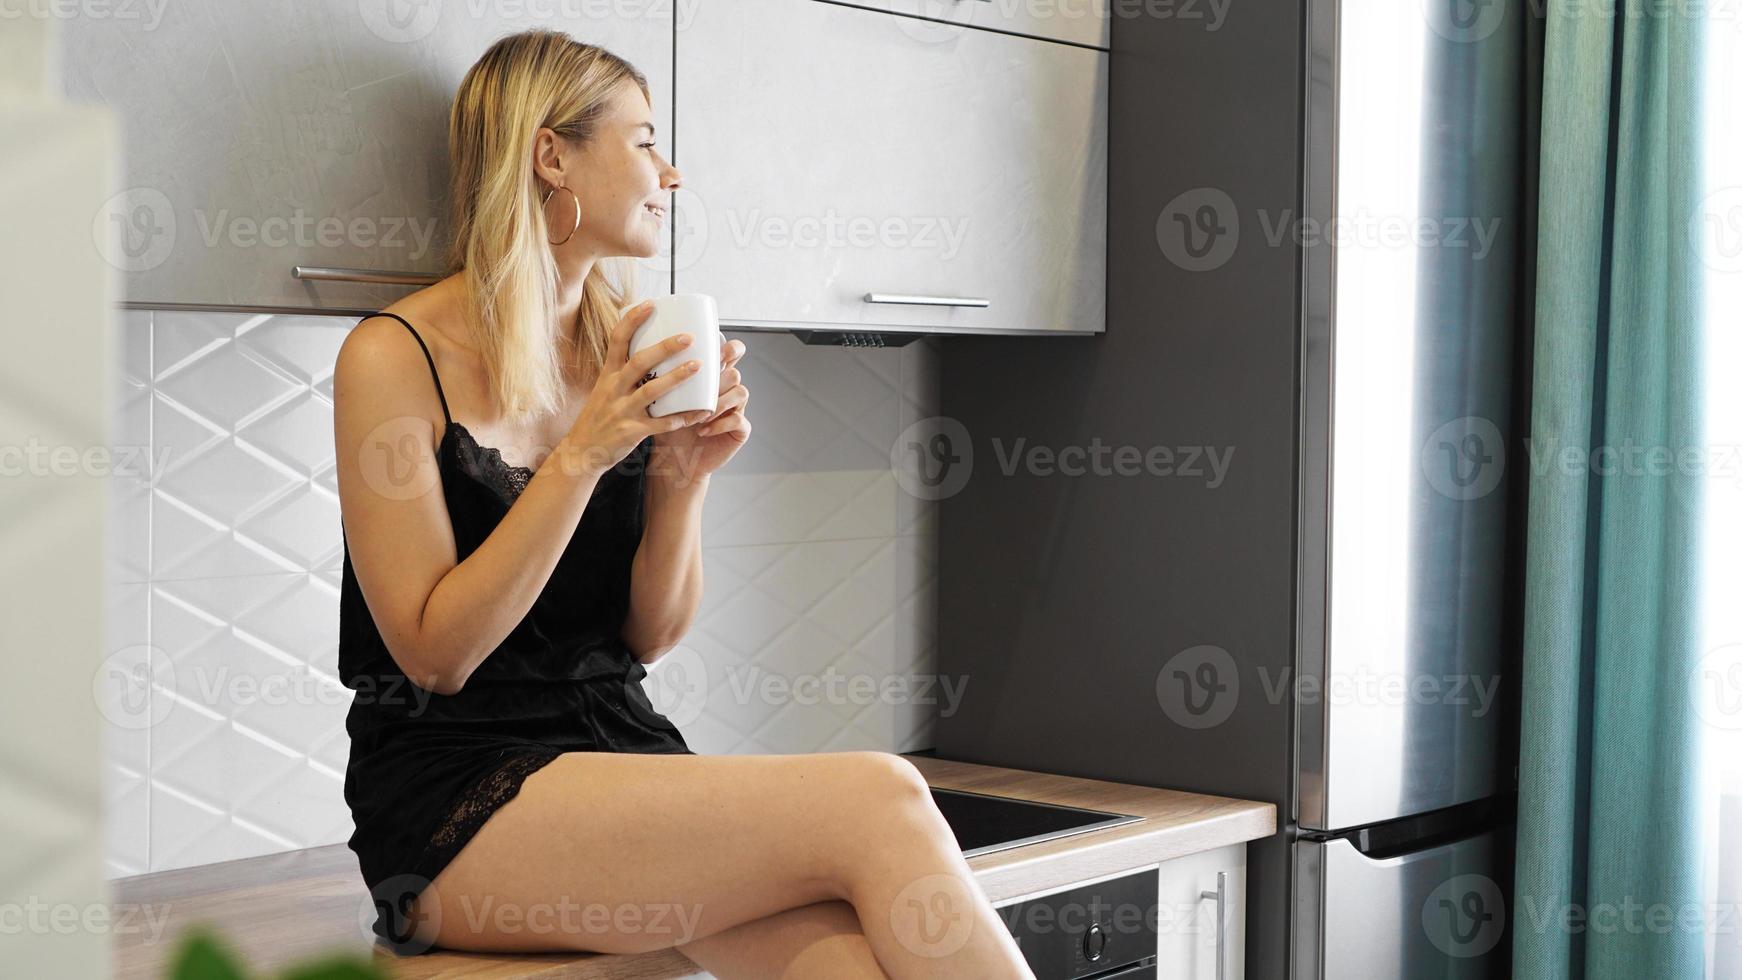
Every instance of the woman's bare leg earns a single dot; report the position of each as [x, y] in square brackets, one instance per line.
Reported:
[821, 940]
[621, 852]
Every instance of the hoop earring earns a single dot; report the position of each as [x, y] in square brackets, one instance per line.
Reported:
[577, 201]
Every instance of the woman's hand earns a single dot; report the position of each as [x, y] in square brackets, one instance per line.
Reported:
[696, 450]
[614, 419]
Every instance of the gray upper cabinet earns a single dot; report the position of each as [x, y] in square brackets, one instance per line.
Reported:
[831, 152]
[1073, 21]
[259, 137]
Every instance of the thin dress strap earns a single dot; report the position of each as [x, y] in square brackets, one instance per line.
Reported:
[431, 360]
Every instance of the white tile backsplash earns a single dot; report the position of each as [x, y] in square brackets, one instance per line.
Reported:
[225, 554]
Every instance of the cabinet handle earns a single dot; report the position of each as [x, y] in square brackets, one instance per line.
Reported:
[330, 274]
[1220, 897]
[926, 300]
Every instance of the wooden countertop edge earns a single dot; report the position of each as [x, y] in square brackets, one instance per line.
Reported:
[1173, 824]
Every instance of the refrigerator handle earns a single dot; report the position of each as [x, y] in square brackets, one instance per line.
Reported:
[1220, 897]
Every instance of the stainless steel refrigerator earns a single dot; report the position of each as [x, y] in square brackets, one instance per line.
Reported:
[1352, 331]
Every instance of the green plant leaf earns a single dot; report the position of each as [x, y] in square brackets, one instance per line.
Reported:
[201, 957]
[339, 966]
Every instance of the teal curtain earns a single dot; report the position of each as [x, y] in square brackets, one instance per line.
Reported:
[1609, 772]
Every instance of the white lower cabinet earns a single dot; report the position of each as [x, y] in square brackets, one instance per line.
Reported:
[1189, 938]
[829, 154]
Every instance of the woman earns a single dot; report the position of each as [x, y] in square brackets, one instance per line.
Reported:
[512, 788]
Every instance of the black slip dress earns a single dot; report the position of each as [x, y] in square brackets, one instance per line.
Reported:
[427, 770]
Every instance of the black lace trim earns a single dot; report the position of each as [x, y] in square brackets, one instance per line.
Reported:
[475, 807]
[485, 463]
[488, 465]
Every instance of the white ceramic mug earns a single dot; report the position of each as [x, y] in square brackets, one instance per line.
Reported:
[695, 314]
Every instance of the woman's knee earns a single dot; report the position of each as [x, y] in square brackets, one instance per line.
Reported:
[891, 776]
[889, 801]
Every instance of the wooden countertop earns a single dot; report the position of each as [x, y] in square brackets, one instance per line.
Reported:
[283, 908]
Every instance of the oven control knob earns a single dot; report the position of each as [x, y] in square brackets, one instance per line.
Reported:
[1094, 942]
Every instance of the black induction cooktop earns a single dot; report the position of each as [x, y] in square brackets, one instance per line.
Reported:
[984, 823]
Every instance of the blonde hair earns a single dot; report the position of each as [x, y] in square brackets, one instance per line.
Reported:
[500, 241]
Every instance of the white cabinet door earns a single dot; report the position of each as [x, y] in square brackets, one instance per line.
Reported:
[1188, 932]
[258, 137]
[1073, 21]
[827, 154]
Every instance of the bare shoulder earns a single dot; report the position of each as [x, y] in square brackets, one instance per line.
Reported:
[378, 353]
[380, 350]
[381, 371]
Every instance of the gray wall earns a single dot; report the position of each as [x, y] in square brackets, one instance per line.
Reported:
[1062, 597]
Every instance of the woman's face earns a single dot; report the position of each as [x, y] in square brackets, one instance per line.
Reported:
[620, 178]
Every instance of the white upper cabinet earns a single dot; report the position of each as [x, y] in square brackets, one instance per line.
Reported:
[1074, 21]
[831, 152]
[262, 136]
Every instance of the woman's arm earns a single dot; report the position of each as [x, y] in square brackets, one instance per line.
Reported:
[665, 584]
